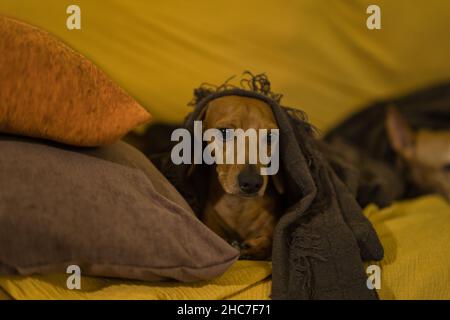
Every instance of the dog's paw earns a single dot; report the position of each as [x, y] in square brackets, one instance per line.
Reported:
[235, 244]
[259, 248]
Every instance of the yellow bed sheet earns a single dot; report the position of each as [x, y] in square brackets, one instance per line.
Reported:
[241, 277]
[415, 235]
[319, 54]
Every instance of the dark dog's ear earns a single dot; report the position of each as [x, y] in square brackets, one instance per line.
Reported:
[401, 136]
[278, 183]
[199, 117]
[190, 170]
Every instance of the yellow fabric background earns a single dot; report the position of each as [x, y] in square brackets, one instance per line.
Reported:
[416, 265]
[319, 54]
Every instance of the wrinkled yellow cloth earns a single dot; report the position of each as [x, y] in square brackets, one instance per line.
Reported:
[237, 282]
[319, 54]
[414, 234]
[416, 240]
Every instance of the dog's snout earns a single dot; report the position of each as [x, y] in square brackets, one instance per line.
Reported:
[250, 181]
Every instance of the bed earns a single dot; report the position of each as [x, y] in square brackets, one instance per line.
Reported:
[414, 234]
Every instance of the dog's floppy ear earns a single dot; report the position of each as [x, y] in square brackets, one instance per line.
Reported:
[200, 117]
[401, 136]
[278, 183]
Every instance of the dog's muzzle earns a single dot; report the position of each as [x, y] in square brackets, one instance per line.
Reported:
[250, 180]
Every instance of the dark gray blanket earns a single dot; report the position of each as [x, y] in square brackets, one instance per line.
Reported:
[322, 239]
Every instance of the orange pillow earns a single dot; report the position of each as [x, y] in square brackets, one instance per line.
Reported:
[49, 91]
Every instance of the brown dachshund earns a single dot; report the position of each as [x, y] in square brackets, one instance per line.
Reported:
[242, 205]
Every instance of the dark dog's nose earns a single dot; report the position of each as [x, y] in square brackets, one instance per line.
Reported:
[250, 181]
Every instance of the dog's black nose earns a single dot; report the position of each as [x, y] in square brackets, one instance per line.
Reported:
[250, 181]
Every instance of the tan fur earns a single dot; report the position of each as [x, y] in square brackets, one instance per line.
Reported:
[426, 153]
[233, 216]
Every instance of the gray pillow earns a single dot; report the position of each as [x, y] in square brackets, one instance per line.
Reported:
[105, 209]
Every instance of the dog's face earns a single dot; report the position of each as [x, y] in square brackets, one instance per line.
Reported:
[235, 112]
[427, 153]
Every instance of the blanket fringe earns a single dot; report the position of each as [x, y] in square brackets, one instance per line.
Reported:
[305, 247]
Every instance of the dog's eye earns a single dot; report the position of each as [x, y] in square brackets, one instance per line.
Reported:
[447, 167]
[271, 137]
[227, 133]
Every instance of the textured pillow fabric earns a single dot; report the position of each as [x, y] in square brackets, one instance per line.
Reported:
[49, 91]
[126, 155]
[106, 210]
